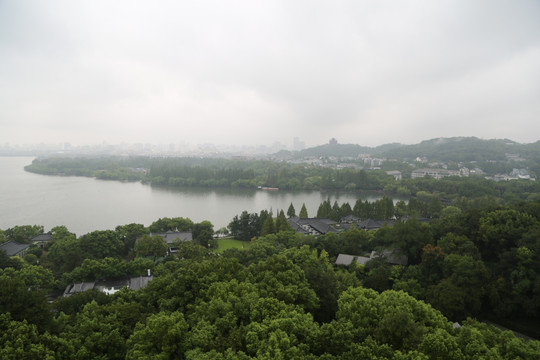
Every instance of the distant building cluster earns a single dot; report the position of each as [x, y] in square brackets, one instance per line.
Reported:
[515, 174]
[438, 173]
[321, 226]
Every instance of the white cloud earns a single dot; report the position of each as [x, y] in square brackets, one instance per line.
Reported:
[247, 72]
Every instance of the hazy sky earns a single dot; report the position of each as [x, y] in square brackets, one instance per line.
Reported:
[256, 72]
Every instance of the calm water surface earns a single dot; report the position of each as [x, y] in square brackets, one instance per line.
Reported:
[85, 204]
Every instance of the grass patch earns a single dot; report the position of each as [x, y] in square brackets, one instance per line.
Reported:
[224, 244]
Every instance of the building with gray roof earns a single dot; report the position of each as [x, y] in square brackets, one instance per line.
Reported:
[13, 248]
[108, 286]
[312, 226]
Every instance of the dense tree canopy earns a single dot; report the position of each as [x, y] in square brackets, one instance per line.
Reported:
[281, 296]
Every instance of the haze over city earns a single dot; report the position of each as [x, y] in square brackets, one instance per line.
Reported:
[244, 72]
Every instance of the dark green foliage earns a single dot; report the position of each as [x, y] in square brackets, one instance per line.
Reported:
[101, 244]
[151, 246]
[203, 172]
[282, 298]
[246, 226]
[23, 234]
[75, 303]
[203, 234]
[291, 212]
[129, 234]
[171, 224]
[22, 300]
[303, 212]
[268, 226]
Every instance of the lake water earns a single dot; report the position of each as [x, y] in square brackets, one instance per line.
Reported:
[86, 204]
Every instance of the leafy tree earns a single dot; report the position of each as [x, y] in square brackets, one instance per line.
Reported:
[60, 233]
[64, 254]
[23, 234]
[410, 236]
[502, 230]
[101, 244]
[456, 244]
[191, 250]
[90, 270]
[440, 345]
[36, 277]
[171, 224]
[321, 277]
[153, 246]
[290, 336]
[400, 209]
[6, 261]
[278, 277]
[129, 234]
[203, 234]
[96, 334]
[163, 336]
[21, 340]
[246, 226]
[22, 303]
[448, 298]
[392, 317]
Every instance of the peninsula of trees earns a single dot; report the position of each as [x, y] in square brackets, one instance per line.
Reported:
[336, 167]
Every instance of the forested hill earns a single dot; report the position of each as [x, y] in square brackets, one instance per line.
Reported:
[339, 150]
[464, 149]
[459, 149]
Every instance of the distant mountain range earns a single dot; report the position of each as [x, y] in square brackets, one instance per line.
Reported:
[464, 149]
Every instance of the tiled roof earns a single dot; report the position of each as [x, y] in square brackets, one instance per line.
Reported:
[172, 236]
[108, 287]
[313, 226]
[42, 237]
[344, 259]
[12, 248]
[392, 256]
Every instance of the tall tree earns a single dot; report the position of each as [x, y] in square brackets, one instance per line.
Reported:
[203, 234]
[291, 212]
[268, 226]
[303, 212]
[324, 209]
[281, 222]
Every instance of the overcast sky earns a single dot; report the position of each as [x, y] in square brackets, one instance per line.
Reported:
[256, 72]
